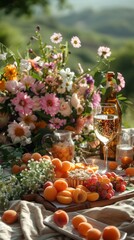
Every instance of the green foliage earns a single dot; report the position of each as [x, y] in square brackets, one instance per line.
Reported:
[20, 7]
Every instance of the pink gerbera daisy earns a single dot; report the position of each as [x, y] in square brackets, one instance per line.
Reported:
[23, 103]
[50, 104]
[57, 123]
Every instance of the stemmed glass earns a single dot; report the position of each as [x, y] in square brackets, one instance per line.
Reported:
[106, 125]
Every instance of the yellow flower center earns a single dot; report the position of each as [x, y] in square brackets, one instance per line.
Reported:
[19, 131]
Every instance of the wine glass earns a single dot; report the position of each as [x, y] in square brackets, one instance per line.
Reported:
[106, 126]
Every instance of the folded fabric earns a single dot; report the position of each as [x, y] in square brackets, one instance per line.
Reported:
[31, 216]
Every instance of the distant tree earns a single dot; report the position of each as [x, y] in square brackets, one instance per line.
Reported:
[20, 7]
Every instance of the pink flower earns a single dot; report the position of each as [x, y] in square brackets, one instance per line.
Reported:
[57, 123]
[27, 81]
[38, 87]
[96, 99]
[50, 104]
[36, 103]
[65, 108]
[50, 80]
[23, 103]
[14, 86]
[121, 80]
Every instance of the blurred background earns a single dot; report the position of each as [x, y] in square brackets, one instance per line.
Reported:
[95, 22]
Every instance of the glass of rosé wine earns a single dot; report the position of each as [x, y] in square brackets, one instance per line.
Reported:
[106, 126]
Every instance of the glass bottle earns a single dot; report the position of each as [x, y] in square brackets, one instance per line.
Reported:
[112, 98]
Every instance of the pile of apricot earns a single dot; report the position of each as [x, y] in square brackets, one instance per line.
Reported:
[61, 192]
[84, 228]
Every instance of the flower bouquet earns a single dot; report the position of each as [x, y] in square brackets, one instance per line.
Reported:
[39, 93]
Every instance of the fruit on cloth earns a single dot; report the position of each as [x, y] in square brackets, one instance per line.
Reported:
[93, 234]
[76, 220]
[9, 216]
[83, 228]
[60, 184]
[111, 233]
[50, 193]
[79, 195]
[64, 197]
[60, 218]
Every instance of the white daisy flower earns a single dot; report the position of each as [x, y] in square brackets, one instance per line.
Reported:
[56, 38]
[18, 132]
[104, 52]
[75, 41]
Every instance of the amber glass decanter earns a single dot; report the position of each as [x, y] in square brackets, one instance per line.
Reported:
[112, 98]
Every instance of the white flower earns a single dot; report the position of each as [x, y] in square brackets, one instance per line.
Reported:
[75, 41]
[56, 38]
[104, 52]
[25, 65]
[66, 73]
[3, 56]
[67, 76]
[18, 132]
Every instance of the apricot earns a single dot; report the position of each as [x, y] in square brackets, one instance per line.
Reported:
[60, 218]
[79, 195]
[50, 193]
[76, 220]
[92, 196]
[93, 234]
[57, 163]
[129, 171]
[23, 167]
[9, 216]
[58, 174]
[36, 156]
[70, 189]
[66, 166]
[60, 184]
[113, 165]
[83, 228]
[26, 157]
[64, 197]
[47, 184]
[46, 157]
[126, 160]
[82, 187]
[15, 169]
[111, 233]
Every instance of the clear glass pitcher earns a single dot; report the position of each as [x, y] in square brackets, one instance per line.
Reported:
[62, 145]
